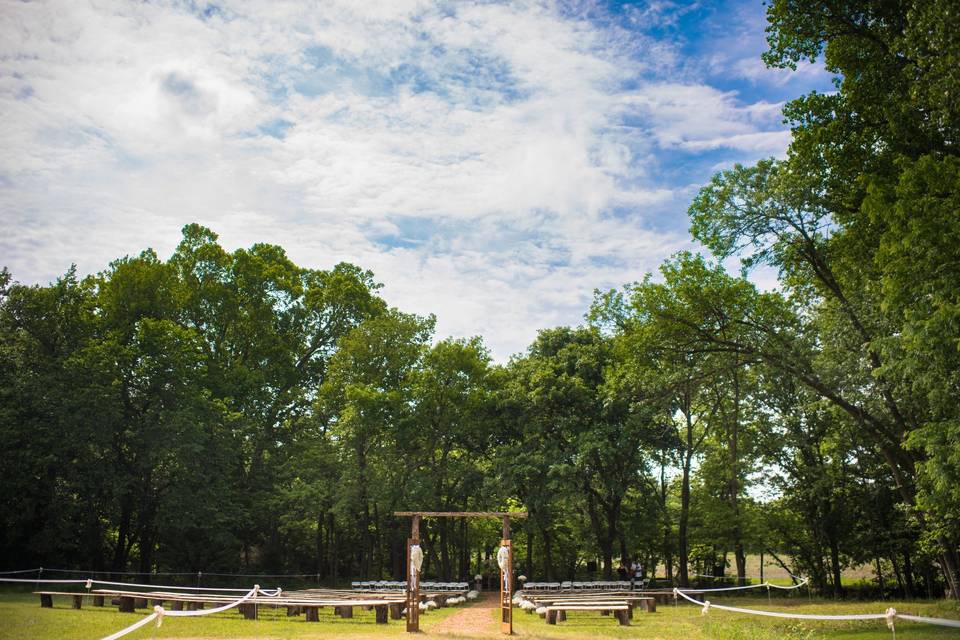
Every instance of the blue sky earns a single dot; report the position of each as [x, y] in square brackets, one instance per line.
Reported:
[492, 163]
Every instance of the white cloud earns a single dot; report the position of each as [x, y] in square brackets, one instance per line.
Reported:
[492, 163]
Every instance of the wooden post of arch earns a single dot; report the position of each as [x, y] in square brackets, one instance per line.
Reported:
[413, 579]
[506, 576]
[506, 582]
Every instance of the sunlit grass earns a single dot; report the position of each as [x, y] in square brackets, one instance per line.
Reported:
[22, 617]
[685, 622]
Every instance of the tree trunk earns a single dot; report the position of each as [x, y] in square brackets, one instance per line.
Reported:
[950, 564]
[897, 574]
[835, 567]
[528, 569]
[683, 553]
[463, 570]
[879, 576]
[332, 539]
[908, 573]
[318, 542]
[547, 555]
[734, 447]
[123, 533]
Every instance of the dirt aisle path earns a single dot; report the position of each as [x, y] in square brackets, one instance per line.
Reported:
[476, 618]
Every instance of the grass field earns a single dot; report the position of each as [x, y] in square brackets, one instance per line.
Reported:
[22, 617]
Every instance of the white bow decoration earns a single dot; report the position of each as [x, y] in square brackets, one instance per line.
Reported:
[503, 558]
[416, 557]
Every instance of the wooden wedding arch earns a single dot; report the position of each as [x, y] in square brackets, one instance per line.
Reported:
[506, 575]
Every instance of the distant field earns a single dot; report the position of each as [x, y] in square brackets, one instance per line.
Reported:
[773, 572]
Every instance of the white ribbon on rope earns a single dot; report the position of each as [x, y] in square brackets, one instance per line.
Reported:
[159, 613]
[888, 616]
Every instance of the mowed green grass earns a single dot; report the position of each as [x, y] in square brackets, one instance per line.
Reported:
[22, 617]
[685, 622]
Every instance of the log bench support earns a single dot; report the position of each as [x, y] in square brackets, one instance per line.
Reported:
[46, 601]
[98, 601]
[396, 610]
[313, 614]
[126, 604]
[554, 615]
[381, 610]
[77, 601]
[177, 605]
[249, 611]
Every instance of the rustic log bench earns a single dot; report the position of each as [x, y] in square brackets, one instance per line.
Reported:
[601, 604]
[645, 603]
[558, 612]
[295, 603]
[46, 598]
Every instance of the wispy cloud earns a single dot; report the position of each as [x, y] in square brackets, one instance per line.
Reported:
[493, 163]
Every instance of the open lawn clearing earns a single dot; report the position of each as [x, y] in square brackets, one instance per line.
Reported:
[22, 617]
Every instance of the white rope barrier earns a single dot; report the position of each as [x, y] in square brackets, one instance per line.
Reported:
[943, 622]
[136, 625]
[749, 586]
[173, 573]
[888, 616]
[793, 586]
[44, 581]
[89, 582]
[158, 586]
[159, 613]
[230, 605]
[10, 573]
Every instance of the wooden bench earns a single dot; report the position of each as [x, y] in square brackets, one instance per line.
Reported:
[558, 612]
[46, 598]
[645, 603]
[594, 603]
[294, 602]
[388, 607]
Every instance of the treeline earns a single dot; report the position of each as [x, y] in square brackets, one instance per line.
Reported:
[236, 412]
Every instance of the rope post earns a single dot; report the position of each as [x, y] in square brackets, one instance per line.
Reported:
[769, 601]
[199, 575]
[39, 575]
